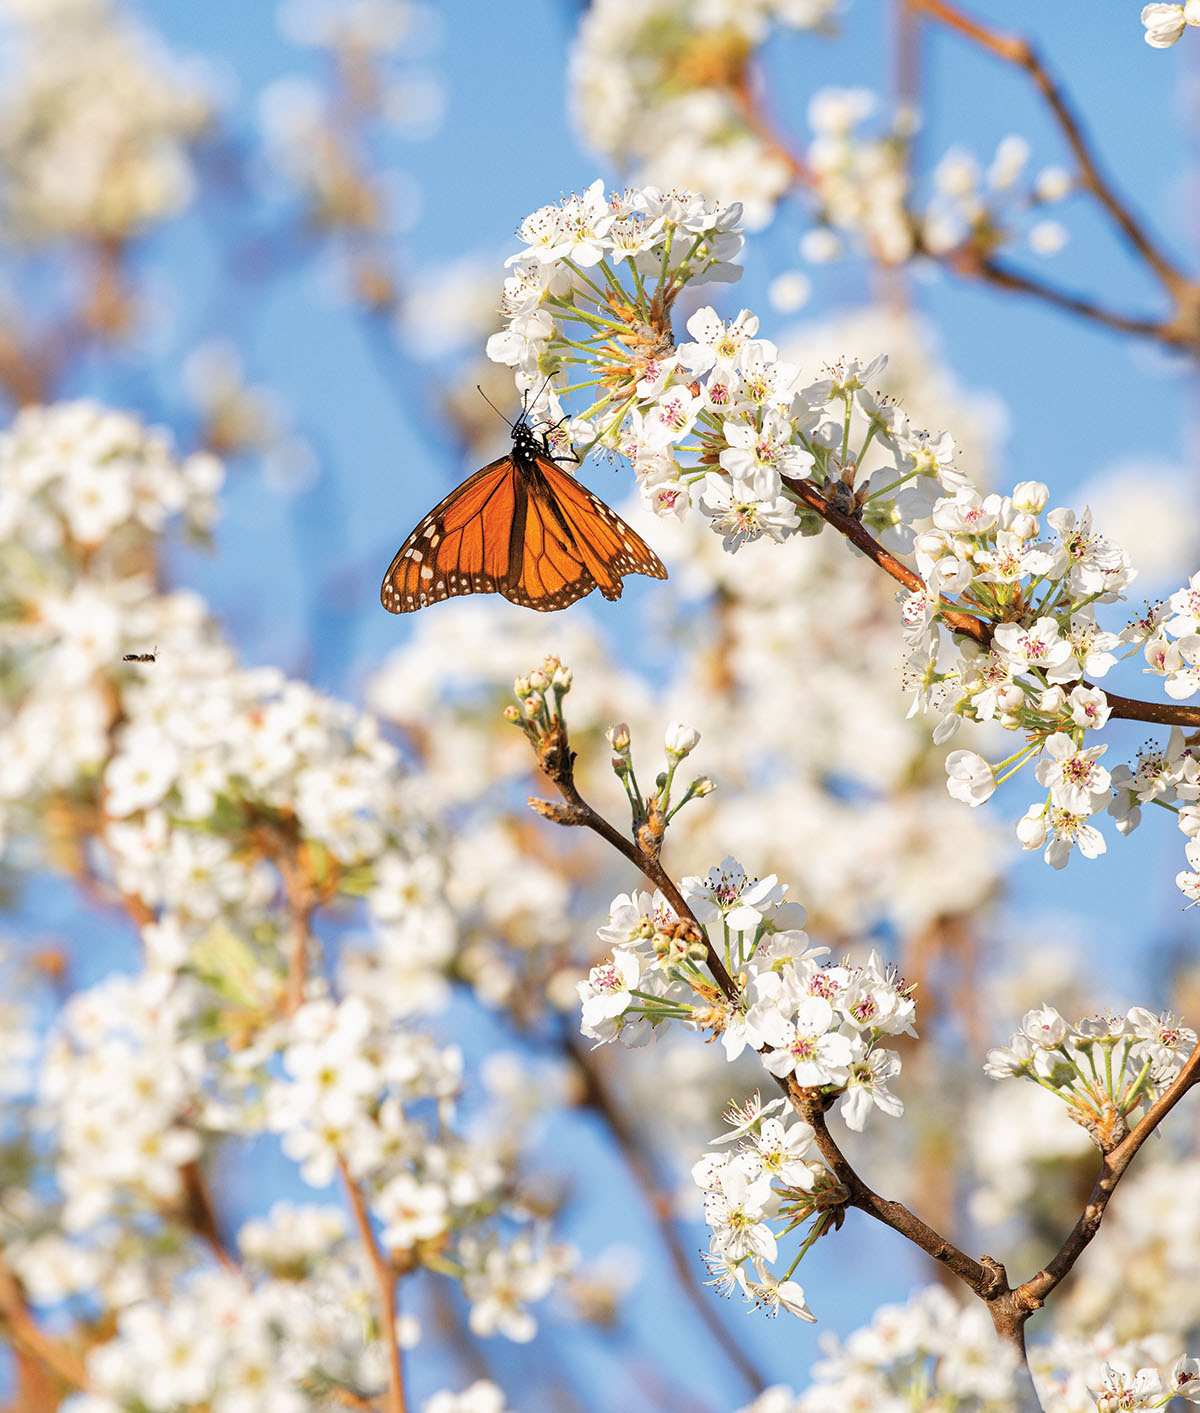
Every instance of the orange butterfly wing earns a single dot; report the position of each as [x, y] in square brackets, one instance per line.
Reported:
[461, 546]
[521, 528]
[606, 546]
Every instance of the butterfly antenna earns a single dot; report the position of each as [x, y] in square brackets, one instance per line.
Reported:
[493, 406]
[536, 397]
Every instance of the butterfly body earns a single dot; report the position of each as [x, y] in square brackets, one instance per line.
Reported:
[521, 527]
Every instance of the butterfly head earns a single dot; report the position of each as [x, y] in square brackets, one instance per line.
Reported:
[526, 442]
[545, 439]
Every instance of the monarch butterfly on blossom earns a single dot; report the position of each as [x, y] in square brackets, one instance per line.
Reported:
[520, 527]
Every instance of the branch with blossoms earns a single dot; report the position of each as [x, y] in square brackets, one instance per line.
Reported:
[726, 956]
[1000, 623]
[863, 187]
[1000, 619]
[975, 258]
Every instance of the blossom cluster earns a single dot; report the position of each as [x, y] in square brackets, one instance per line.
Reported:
[95, 124]
[1102, 1067]
[242, 751]
[216, 786]
[227, 809]
[80, 475]
[83, 493]
[1036, 674]
[768, 1178]
[1165, 24]
[123, 1089]
[933, 1353]
[753, 430]
[220, 1341]
[352, 1097]
[815, 1026]
[721, 420]
[661, 89]
[864, 197]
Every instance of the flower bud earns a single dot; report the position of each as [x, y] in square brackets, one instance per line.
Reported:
[1030, 497]
[618, 736]
[681, 739]
[1031, 827]
[538, 680]
[702, 786]
[1052, 184]
[521, 687]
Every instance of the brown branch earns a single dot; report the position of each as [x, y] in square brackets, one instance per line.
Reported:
[25, 1334]
[556, 760]
[385, 1281]
[349, 1399]
[750, 111]
[811, 495]
[301, 902]
[1009, 1307]
[1031, 1294]
[21, 374]
[982, 1279]
[599, 1097]
[1124, 708]
[1017, 51]
[200, 1215]
[971, 262]
[1158, 713]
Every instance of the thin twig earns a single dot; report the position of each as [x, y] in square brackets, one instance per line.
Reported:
[970, 261]
[750, 111]
[1018, 51]
[300, 905]
[556, 758]
[385, 1282]
[24, 1332]
[1033, 1292]
[201, 1216]
[811, 495]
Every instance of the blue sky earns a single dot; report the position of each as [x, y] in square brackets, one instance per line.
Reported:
[297, 578]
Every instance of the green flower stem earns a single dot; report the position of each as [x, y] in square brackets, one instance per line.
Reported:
[578, 273]
[892, 486]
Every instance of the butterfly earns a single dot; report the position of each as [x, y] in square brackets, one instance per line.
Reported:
[520, 527]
